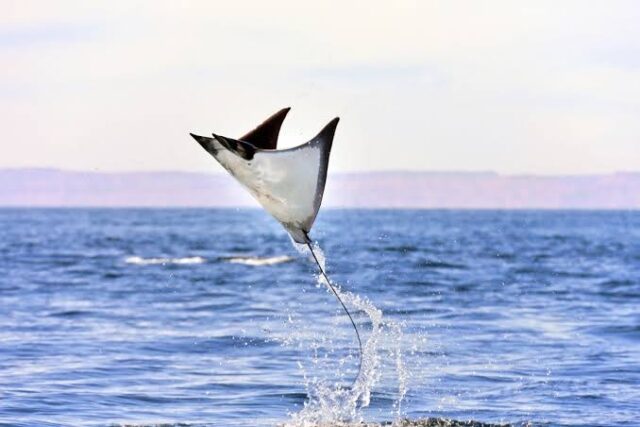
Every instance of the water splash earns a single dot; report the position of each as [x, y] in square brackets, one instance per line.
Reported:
[330, 403]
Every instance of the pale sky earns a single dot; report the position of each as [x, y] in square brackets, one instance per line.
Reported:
[542, 87]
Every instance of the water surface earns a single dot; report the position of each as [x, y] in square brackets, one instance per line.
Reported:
[211, 317]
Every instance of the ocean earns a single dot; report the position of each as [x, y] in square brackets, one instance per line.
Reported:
[211, 317]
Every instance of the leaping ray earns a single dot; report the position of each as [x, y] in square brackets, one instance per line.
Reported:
[289, 183]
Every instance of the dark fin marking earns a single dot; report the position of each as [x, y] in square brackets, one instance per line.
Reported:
[325, 140]
[265, 136]
[344, 307]
[241, 148]
[206, 143]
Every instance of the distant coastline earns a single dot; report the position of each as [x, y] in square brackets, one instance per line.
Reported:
[456, 190]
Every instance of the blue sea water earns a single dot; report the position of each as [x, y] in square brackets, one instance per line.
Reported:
[211, 317]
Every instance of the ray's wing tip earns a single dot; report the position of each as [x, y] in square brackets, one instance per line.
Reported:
[204, 141]
[329, 130]
[332, 124]
[198, 138]
[221, 139]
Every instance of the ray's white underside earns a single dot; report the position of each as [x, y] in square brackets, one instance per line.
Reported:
[284, 182]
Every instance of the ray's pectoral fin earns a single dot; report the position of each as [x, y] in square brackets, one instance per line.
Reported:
[324, 139]
[303, 175]
[265, 136]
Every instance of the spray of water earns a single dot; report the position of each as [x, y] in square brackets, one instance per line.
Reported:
[328, 402]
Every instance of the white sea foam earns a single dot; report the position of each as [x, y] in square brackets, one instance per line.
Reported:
[259, 261]
[152, 261]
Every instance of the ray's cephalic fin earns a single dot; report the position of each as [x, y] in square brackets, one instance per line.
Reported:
[263, 137]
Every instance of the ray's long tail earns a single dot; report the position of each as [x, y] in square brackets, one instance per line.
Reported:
[333, 289]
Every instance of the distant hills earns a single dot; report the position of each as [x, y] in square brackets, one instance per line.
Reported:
[51, 188]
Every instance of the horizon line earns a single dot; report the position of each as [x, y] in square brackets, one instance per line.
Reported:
[377, 171]
[329, 208]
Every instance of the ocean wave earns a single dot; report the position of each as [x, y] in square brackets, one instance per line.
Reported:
[152, 261]
[255, 261]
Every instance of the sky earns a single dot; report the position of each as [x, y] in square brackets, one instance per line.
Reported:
[516, 87]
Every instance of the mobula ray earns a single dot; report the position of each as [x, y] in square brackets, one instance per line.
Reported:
[289, 183]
